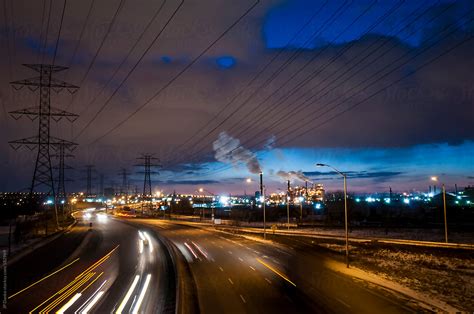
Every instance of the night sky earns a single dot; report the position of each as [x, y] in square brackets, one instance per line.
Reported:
[381, 90]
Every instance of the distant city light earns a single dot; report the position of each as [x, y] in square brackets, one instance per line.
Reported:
[406, 200]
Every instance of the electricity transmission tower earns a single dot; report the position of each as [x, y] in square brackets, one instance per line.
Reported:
[89, 170]
[43, 141]
[124, 187]
[61, 155]
[147, 165]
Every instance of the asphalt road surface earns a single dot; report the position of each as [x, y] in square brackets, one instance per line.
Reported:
[234, 274]
[125, 267]
[116, 268]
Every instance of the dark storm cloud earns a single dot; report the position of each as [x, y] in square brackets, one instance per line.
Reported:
[434, 105]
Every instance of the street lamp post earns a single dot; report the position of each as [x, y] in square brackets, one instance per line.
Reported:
[345, 209]
[262, 196]
[444, 210]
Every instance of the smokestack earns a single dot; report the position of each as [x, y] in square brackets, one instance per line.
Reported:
[288, 186]
[261, 183]
[306, 187]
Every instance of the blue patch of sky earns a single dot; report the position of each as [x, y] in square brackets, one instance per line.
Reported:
[283, 22]
[226, 62]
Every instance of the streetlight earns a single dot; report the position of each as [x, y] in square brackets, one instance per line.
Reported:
[345, 208]
[444, 208]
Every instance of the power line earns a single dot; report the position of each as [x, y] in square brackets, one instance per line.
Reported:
[359, 63]
[247, 101]
[150, 22]
[255, 77]
[102, 108]
[175, 77]
[109, 29]
[331, 19]
[245, 130]
[425, 64]
[59, 32]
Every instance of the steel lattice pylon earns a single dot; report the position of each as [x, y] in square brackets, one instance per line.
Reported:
[43, 174]
[147, 172]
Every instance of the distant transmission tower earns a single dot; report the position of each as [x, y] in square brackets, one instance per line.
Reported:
[43, 174]
[147, 165]
[89, 170]
[124, 187]
[61, 155]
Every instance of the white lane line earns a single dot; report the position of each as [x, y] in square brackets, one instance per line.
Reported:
[243, 299]
[275, 261]
[251, 267]
[222, 269]
[240, 259]
[230, 252]
[268, 280]
[142, 294]
[230, 280]
[220, 246]
[128, 295]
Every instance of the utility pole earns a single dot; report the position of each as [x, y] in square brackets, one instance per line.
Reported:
[147, 165]
[262, 196]
[43, 141]
[288, 205]
[101, 185]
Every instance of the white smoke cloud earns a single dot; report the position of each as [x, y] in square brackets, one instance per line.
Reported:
[228, 149]
[293, 175]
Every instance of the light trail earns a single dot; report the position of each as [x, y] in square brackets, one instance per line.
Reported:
[44, 278]
[93, 302]
[69, 304]
[276, 271]
[92, 296]
[150, 245]
[142, 294]
[128, 295]
[191, 249]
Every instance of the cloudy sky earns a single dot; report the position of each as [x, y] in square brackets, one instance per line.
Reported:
[219, 90]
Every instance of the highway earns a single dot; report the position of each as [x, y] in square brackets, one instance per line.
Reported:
[116, 268]
[234, 274]
[125, 266]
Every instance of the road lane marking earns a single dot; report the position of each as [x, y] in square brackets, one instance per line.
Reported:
[268, 280]
[128, 295]
[230, 252]
[222, 269]
[230, 280]
[276, 271]
[243, 299]
[240, 259]
[44, 278]
[251, 267]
